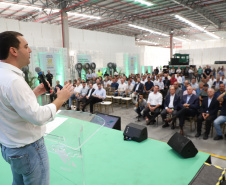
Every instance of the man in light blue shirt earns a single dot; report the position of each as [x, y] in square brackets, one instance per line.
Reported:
[98, 96]
[194, 85]
[88, 75]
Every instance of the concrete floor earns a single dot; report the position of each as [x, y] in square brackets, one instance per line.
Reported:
[163, 134]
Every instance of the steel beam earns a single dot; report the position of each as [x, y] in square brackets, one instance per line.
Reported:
[200, 11]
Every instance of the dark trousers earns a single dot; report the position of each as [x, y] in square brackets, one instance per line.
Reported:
[54, 95]
[139, 110]
[208, 120]
[92, 100]
[164, 113]
[155, 113]
[199, 77]
[183, 113]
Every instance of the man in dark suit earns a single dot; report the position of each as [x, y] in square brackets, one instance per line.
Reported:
[138, 88]
[89, 94]
[189, 107]
[166, 86]
[209, 111]
[170, 106]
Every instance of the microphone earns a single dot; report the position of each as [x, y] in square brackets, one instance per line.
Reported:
[42, 78]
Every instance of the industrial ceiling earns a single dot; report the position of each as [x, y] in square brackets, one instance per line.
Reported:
[148, 21]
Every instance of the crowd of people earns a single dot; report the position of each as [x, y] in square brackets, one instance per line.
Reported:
[172, 93]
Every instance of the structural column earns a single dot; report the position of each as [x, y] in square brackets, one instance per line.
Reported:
[171, 44]
[65, 32]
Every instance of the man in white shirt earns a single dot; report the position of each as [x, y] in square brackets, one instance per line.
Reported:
[154, 102]
[110, 79]
[156, 81]
[178, 70]
[223, 79]
[130, 87]
[121, 89]
[94, 74]
[81, 95]
[179, 78]
[115, 73]
[107, 83]
[98, 96]
[22, 118]
[75, 95]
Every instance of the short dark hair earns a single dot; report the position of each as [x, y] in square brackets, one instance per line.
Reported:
[8, 39]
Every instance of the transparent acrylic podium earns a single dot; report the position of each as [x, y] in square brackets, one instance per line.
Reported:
[66, 138]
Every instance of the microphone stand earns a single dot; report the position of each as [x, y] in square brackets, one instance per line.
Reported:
[138, 119]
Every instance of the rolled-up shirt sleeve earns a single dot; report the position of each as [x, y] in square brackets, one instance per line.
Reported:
[25, 103]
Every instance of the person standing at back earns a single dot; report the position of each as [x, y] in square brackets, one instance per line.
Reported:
[49, 77]
[22, 119]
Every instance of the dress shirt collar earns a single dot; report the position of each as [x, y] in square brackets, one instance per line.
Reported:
[172, 95]
[11, 67]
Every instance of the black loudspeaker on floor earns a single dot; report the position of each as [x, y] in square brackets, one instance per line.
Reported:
[135, 132]
[182, 145]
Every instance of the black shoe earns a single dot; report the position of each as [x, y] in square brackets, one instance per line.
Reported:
[172, 127]
[148, 122]
[165, 125]
[139, 116]
[197, 134]
[205, 136]
[218, 137]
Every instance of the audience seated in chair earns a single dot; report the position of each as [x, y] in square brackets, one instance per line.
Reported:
[154, 102]
[77, 91]
[81, 95]
[138, 89]
[148, 87]
[189, 106]
[222, 118]
[141, 106]
[171, 106]
[121, 89]
[129, 89]
[98, 96]
[209, 110]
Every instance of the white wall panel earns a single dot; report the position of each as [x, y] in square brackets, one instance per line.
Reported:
[205, 52]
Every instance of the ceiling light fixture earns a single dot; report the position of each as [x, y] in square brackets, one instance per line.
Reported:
[148, 42]
[196, 26]
[83, 15]
[148, 30]
[144, 2]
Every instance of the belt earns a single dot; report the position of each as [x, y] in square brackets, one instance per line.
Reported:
[24, 145]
